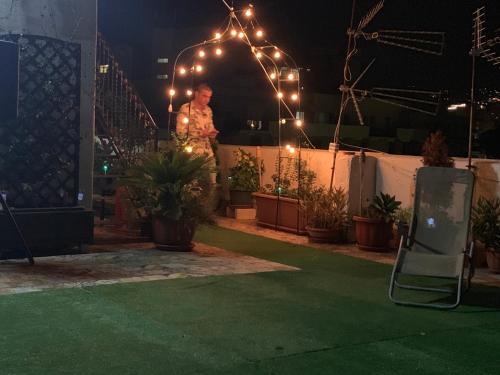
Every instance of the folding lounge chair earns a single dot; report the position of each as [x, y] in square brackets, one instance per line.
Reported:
[432, 257]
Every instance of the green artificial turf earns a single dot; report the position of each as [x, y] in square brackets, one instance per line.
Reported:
[331, 317]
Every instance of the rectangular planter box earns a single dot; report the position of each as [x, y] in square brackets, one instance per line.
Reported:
[282, 214]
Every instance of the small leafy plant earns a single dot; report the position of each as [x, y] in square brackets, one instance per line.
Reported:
[326, 209]
[244, 175]
[486, 222]
[292, 178]
[435, 151]
[384, 206]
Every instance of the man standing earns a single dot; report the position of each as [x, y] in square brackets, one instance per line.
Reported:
[195, 122]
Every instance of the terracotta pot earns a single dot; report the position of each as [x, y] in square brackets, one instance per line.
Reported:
[493, 259]
[320, 235]
[283, 214]
[240, 198]
[373, 234]
[173, 235]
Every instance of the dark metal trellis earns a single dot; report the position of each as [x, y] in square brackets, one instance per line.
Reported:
[39, 151]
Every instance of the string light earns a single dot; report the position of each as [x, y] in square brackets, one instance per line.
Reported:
[288, 147]
[171, 92]
[280, 95]
[185, 120]
[199, 68]
[189, 92]
[291, 77]
[295, 97]
[272, 75]
[277, 54]
[248, 13]
[259, 33]
[182, 71]
[188, 149]
[233, 32]
[292, 150]
[299, 123]
[241, 34]
[283, 121]
[218, 35]
[218, 51]
[258, 55]
[201, 53]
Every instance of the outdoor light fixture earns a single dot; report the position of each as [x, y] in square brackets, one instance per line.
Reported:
[280, 95]
[295, 97]
[299, 123]
[241, 34]
[182, 71]
[258, 55]
[233, 32]
[188, 149]
[283, 121]
[249, 12]
[272, 76]
[218, 35]
[259, 34]
[199, 68]
[201, 53]
[277, 55]
[171, 92]
[218, 51]
[189, 93]
[185, 120]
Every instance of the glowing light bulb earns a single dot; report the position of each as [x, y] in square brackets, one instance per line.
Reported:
[218, 35]
[201, 54]
[241, 34]
[218, 51]
[259, 33]
[171, 92]
[280, 95]
[283, 121]
[248, 12]
[288, 147]
[258, 55]
[295, 97]
[199, 68]
[299, 123]
[189, 92]
[188, 149]
[233, 32]
[292, 150]
[182, 71]
[185, 120]
[272, 75]
[277, 54]
[291, 77]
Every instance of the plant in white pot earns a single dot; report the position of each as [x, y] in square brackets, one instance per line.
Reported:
[326, 213]
[244, 178]
[173, 188]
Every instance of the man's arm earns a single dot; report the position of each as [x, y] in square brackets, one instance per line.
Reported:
[181, 127]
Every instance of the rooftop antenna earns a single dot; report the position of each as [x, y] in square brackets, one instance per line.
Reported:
[481, 47]
[427, 42]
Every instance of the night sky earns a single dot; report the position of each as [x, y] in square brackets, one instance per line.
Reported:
[314, 33]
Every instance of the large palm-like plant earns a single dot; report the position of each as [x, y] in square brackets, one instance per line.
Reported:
[171, 184]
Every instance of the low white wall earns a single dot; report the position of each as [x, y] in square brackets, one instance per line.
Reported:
[392, 174]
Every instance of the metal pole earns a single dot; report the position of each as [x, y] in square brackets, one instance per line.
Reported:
[472, 102]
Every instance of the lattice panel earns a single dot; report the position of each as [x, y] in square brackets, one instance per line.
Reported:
[39, 152]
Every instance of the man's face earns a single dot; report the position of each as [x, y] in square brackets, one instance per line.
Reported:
[202, 97]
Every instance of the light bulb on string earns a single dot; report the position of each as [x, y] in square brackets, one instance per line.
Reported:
[189, 92]
[185, 120]
[295, 97]
[218, 51]
[241, 34]
[292, 150]
[171, 92]
[279, 95]
[201, 54]
[291, 77]
[272, 75]
[258, 55]
[283, 121]
[234, 32]
[259, 33]
[198, 68]
[188, 149]
[277, 55]
[218, 35]
[248, 12]
[299, 123]
[288, 147]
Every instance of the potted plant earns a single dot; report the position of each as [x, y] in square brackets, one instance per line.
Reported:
[435, 151]
[326, 213]
[374, 229]
[486, 231]
[244, 178]
[172, 187]
[278, 204]
[401, 227]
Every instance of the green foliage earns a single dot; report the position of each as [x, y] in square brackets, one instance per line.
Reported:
[486, 222]
[245, 174]
[326, 209]
[435, 151]
[403, 215]
[172, 184]
[292, 178]
[384, 206]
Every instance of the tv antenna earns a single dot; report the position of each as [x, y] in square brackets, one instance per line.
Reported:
[481, 47]
[428, 42]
